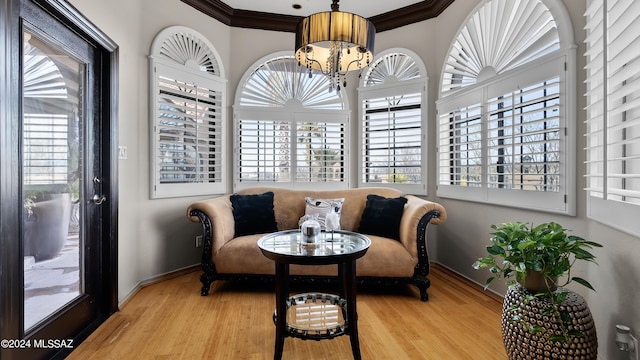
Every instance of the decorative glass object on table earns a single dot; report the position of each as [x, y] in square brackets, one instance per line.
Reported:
[310, 230]
[332, 223]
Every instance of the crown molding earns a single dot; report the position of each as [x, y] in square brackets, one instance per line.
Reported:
[287, 23]
[417, 12]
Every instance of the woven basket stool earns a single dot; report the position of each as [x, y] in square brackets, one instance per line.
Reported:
[523, 345]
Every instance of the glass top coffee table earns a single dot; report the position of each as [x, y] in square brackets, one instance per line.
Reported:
[315, 315]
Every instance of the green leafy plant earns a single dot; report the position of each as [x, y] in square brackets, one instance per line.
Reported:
[516, 249]
[34, 194]
[28, 204]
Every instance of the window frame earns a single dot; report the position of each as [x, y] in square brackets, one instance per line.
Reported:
[208, 75]
[293, 113]
[563, 202]
[395, 88]
[471, 67]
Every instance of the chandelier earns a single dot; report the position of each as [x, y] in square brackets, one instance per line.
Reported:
[334, 43]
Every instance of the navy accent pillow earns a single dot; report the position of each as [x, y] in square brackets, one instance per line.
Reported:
[253, 214]
[381, 216]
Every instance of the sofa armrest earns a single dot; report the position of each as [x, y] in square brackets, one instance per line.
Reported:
[416, 211]
[219, 213]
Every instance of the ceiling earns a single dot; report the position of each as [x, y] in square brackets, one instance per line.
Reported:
[279, 15]
[365, 8]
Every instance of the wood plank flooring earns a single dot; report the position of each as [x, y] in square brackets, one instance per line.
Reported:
[170, 320]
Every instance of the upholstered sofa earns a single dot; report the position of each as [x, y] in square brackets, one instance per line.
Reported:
[227, 256]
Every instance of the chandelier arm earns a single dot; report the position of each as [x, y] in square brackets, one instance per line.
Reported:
[310, 61]
[353, 62]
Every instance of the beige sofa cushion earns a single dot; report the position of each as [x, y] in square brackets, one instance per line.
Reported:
[385, 257]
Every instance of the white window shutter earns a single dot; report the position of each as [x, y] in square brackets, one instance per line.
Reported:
[595, 133]
[320, 150]
[460, 147]
[505, 118]
[290, 130]
[501, 35]
[45, 136]
[623, 102]
[188, 116]
[392, 127]
[264, 151]
[613, 113]
[392, 135]
[523, 139]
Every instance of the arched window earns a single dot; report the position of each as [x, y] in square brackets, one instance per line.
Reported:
[289, 129]
[187, 110]
[506, 108]
[391, 132]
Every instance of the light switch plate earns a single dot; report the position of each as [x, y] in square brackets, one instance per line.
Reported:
[122, 152]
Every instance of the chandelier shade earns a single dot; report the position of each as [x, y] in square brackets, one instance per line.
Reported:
[335, 42]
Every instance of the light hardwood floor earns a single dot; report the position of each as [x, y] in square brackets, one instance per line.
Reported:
[170, 320]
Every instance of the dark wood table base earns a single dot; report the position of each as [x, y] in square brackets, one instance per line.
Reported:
[346, 272]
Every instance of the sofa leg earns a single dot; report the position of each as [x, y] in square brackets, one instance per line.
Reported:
[423, 294]
[423, 285]
[206, 284]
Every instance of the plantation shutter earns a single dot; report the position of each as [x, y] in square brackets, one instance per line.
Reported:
[523, 138]
[320, 150]
[515, 147]
[506, 143]
[45, 141]
[460, 138]
[264, 154]
[308, 147]
[500, 36]
[188, 94]
[392, 139]
[290, 130]
[46, 149]
[188, 125]
[623, 97]
[595, 82]
[613, 112]
[188, 128]
[392, 131]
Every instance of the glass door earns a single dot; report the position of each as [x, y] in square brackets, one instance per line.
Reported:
[54, 119]
[58, 167]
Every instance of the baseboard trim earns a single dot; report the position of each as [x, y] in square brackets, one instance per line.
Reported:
[472, 283]
[157, 279]
[189, 269]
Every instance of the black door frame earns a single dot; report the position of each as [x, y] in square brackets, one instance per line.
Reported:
[11, 275]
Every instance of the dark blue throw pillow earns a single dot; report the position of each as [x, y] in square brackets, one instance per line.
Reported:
[253, 214]
[381, 216]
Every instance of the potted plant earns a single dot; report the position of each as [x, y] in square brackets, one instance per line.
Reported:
[46, 222]
[532, 259]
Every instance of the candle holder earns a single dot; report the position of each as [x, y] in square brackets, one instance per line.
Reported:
[310, 230]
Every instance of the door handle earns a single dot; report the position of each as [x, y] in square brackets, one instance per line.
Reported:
[97, 199]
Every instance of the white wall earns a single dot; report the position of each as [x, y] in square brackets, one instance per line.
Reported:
[156, 238]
